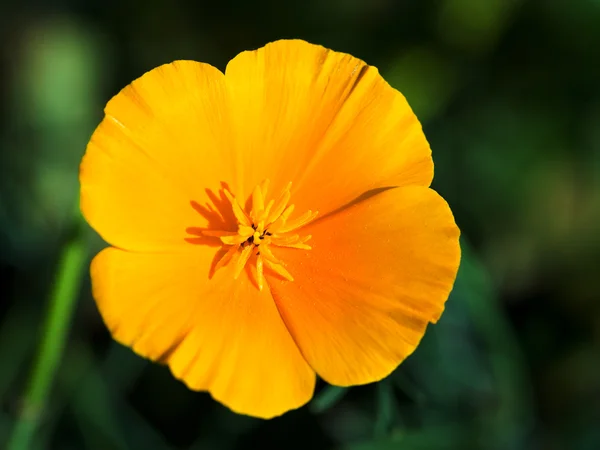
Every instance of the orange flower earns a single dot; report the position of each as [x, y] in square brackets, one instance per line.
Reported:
[207, 186]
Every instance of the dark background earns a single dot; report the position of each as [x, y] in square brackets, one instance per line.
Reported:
[508, 93]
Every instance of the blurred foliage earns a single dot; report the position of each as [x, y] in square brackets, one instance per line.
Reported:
[508, 94]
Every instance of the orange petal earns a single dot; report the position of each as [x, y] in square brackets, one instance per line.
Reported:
[163, 142]
[378, 273]
[324, 120]
[221, 336]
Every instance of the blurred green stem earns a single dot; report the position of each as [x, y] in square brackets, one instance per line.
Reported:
[60, 310]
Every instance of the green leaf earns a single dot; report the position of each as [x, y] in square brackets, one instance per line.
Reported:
[328, 397]
[16, 344]
[435, 438]
[101, 410]
[426, 78]
[511, 419]
[386, 408]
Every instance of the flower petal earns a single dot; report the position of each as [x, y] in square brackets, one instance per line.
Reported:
[222, 336]
[378, 273]
[163, 142]
[325, 121]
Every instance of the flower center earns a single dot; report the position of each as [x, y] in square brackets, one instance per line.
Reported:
[267, 224]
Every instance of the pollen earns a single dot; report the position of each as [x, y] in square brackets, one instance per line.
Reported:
[268, 224]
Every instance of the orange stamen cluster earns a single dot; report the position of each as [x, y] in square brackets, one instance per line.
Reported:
[267, 224]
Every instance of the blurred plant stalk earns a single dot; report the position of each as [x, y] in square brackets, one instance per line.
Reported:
[65, 291]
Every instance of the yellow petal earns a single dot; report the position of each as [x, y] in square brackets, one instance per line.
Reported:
[325, 121]
[377, 274]
[221, 336]
[164, 141]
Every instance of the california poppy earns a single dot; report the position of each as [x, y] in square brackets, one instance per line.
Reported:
[190, 178]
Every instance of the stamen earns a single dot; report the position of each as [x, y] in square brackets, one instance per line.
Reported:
[260, 276]
[282, 202]
[242, 260]
[238, 211]
[265, 214]
[245, 230]
[233, 240]
[283, 240]
[217, 233]
[227, 257]
[280, 222]
[293, 241]
[298, 245]
[268, 255]
[305, 218]
[263, 227]
[279, 269]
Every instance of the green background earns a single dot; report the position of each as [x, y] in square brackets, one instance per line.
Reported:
[507, 91]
